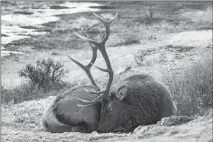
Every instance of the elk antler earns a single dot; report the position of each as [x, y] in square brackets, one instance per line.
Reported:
[88, 66]
[101, 47]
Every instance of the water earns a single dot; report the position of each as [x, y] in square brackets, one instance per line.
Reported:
[12, 24]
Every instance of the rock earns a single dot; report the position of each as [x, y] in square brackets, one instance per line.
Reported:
[174, 120]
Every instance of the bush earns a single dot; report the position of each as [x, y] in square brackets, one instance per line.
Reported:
[45, 75]
[192, 88]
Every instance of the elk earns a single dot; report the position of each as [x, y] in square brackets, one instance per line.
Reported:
[137, 100]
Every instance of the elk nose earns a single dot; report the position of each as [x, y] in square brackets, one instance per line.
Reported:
[108, 129]
[99, 130]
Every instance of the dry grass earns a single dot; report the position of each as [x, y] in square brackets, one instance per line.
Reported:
[192, 87]
[26, 92]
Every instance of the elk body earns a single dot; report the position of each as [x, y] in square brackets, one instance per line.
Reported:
[136, 100]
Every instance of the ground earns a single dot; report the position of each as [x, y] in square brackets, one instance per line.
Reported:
[21, 122]
[179, 36]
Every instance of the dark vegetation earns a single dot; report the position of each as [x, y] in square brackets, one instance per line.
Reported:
[58, 7]
[103, 7]
[45, 74]
[23, 12]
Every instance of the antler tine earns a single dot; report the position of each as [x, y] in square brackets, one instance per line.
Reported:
[90, 103]
[94, 55]
[103, 20]
[89, 65]
[106, 25]
[86, 39]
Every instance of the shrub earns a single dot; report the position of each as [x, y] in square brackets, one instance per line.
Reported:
[192, 88]
[45, 75]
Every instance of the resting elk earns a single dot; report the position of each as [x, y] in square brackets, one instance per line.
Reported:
[137, 100]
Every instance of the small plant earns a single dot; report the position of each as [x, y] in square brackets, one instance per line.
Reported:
[149, 14]
[45, 75]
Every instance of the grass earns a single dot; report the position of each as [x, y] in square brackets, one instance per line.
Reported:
[26, 92]
[192, 88]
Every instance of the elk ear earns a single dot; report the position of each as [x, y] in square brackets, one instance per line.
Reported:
[122, 92]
